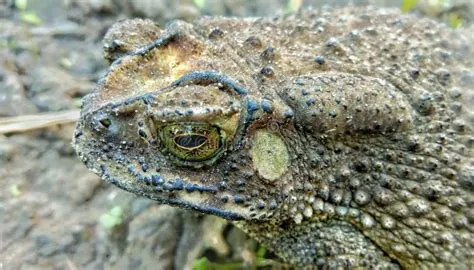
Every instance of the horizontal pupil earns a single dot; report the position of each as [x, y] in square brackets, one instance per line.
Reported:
[190, 141]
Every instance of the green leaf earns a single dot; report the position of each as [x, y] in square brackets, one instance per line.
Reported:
[200, 3]
[201, 264]
[30, 18]
[113, 218]
[408, 5]
[455, 21]
[261, 252]
[21, 4]
[116, 211]
[15, 191]
[293, 5]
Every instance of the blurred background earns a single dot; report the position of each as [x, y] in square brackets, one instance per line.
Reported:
[54, 213]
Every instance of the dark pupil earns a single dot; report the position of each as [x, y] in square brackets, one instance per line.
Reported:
[190, 141]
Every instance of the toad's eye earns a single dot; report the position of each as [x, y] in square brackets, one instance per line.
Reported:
[191, 141]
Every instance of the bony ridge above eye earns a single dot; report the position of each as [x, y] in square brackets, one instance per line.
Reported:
[191, 141]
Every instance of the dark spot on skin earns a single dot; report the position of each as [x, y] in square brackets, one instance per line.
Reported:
[354, 34]
[190, 187]
[253, 41]
[223, 185]
[234, 166]
[455, 93]
[157, 180]
[376, 125]
[216, 33]
[418, 57]
[266, 105]
[147, 180]
[414, 73]
[443, 77]
[362, 197]
[106, 148]
[456, 107]
[142, 133]
[252, 106]
[336, 196]
[184, 103]
[260, 204]
[177, 184]
[300, 82]
[361, 166]
[272, 205]
[114, 45]
[310, 102]
[267, 72]
[268, 54]
[238, 199]
[288, 113]
[240, 182]
[148, 99]
[254, 193]
[320, 59]
[195, 187]
[103, 168]
[331, 43]
[425, 104]
[370, 31]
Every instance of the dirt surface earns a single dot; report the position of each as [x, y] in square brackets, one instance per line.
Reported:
[54, 213]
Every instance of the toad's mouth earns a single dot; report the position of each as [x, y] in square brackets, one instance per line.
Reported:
[176, 192]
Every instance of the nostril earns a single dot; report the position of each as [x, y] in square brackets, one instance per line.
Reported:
[105, 122]
[101, 122]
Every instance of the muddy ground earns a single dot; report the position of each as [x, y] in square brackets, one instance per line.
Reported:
[54, 213]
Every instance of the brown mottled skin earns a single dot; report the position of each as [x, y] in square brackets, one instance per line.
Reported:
[337, 138]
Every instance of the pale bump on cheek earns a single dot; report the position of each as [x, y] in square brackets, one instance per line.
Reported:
[269, 154]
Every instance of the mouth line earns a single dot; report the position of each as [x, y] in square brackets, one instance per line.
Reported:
[160, 184]
[167, 187]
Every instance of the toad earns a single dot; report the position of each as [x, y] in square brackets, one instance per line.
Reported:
[336, 138]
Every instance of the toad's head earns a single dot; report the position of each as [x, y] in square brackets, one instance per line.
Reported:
[173, 122]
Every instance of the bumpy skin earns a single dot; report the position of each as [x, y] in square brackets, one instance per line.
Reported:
[345, 137]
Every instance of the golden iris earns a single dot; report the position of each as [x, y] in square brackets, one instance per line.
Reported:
[191, 141]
